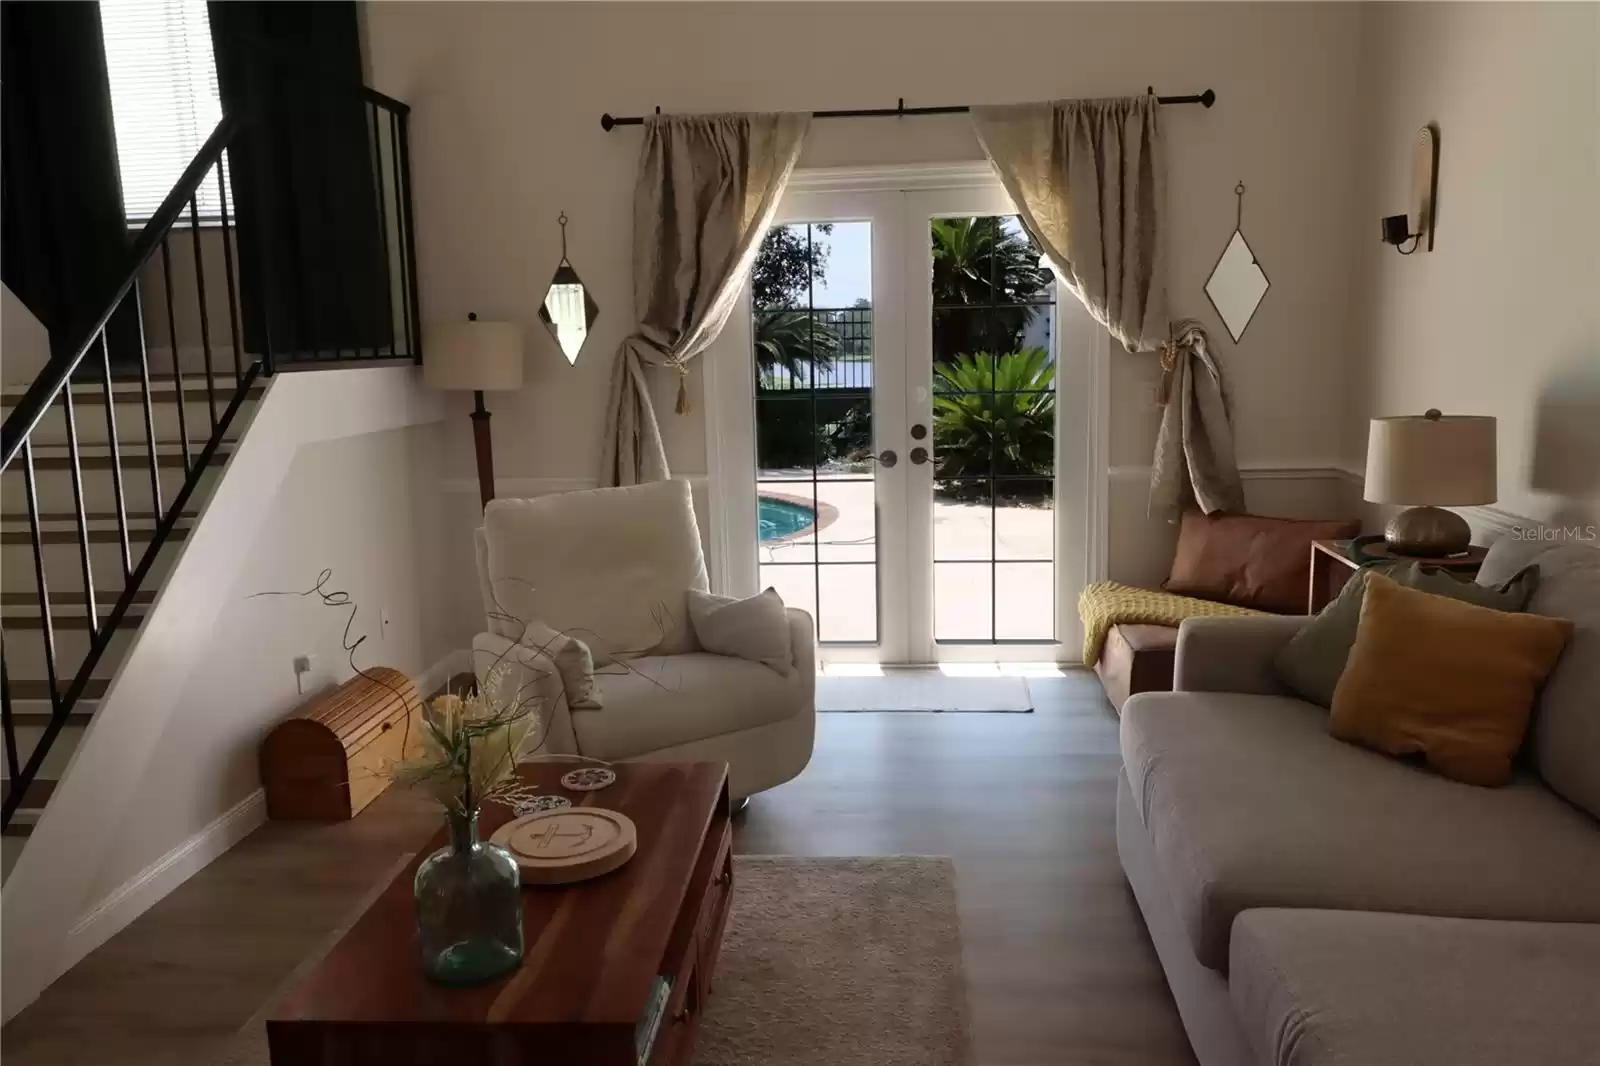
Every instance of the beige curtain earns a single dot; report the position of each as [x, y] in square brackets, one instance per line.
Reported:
[1089, 180]
[707, 190]
[1194, 460]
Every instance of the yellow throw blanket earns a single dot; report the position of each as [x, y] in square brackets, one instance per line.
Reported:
[1108, 603]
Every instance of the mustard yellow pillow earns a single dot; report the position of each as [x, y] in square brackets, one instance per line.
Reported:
[1451, 681]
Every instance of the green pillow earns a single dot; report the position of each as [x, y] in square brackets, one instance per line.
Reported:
[1310, 664]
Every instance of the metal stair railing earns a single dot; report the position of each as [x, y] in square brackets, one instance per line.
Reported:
[225, 392]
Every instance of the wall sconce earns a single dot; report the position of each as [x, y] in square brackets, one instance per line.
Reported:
[1424, 195]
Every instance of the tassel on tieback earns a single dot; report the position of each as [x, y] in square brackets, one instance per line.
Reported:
[682, 406]
[1170, 351]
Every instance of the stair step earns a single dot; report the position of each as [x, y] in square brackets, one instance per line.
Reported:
[96, 536]
[40, 690]
[34, 799]
[67, 610]
[40, 719]
[28, 658]
[162, 390]
[53, 489]
[169, 456]
[61, 527]
[27, 601]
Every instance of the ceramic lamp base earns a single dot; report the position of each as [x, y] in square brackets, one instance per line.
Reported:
[1429, 532]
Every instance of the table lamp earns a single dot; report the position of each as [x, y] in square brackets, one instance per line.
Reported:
[481, 356]
[1427, 463]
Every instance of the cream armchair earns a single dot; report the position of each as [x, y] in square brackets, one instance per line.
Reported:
[613, 567]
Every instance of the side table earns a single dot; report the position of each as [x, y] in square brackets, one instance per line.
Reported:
[1331, 567]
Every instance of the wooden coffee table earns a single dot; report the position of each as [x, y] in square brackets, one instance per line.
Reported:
[595, 951]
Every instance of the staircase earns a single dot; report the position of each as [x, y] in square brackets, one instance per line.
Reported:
[28, 673]
[111, 455]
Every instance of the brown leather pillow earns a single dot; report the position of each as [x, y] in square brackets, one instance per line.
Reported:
[1446, 679]
[1249, 560]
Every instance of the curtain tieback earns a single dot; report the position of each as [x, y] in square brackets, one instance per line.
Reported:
[682, 367]
[1170, 351]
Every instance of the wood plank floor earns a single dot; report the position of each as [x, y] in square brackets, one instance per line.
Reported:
[1059, 967]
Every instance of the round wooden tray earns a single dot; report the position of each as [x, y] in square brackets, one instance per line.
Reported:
[560, 847]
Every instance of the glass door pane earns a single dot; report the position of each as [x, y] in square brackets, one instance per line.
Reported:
[994, 433]
[812, 342]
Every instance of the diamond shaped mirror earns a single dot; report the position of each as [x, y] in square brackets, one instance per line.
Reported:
[568, 311]
[1237, 283]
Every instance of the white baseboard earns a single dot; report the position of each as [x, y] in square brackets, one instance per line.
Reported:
[152, 884]
[148, 887]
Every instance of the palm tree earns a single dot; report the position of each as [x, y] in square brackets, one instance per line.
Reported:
[979, 263]
[794, 342]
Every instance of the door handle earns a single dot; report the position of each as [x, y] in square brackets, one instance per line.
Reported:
[919, 455]
[886, 458]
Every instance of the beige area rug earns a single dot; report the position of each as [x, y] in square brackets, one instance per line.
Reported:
[922, 690]
[825, 962]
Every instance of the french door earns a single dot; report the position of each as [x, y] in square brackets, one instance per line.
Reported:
[901, 435]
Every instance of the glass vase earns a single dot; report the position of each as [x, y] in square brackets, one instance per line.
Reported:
[469, 908]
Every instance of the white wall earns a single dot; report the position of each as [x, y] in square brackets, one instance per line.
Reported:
[332, 470]
[505, 135]
[354, 506]
[1503, 317]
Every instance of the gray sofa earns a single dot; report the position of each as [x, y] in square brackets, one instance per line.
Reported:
[1314, 903]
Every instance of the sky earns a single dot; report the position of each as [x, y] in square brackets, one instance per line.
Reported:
[849, 272]
[849, 275]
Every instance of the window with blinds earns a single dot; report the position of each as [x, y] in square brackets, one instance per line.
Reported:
[164, 98]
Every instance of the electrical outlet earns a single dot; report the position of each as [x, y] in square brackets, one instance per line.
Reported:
[303, 665]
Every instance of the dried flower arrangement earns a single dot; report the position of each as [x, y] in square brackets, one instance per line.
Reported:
[471, 745]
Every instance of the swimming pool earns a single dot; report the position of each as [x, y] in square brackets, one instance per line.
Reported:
[778, 519]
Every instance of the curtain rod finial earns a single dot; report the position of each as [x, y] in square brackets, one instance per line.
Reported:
[607, 123]
[1208, 98]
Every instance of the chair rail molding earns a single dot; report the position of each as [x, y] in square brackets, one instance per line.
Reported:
[541, 485]
[1299, 470]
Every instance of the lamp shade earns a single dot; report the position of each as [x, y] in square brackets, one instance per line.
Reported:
[1431, 460]
[473, 355]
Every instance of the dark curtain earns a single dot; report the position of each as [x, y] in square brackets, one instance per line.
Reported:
[66, 242]
[313, 273]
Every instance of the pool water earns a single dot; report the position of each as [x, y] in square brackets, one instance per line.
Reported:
[777, 518]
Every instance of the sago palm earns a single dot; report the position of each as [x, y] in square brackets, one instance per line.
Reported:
[994, 415]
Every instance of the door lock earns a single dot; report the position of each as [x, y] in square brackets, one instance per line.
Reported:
[919, 431]
[919, 455]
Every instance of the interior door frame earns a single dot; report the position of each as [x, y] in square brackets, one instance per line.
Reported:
[1083, 399]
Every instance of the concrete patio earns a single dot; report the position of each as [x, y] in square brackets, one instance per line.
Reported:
[966, 538]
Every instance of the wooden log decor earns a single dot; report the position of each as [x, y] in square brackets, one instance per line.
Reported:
[326, 762]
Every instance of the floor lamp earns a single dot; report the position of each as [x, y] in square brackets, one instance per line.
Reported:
[482, 357]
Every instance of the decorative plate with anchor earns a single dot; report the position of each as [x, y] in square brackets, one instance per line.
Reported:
[562, 846]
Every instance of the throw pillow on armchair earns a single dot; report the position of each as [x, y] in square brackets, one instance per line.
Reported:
[756, 628]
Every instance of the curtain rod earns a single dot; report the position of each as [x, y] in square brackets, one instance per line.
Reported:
[609, 122]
